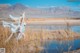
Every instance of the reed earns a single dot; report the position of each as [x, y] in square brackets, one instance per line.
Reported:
[34, 39]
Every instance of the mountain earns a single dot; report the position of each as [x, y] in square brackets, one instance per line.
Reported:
[4, 6]
[18, 9]
[17, 6]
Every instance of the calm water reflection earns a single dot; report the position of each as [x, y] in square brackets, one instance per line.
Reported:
[61, 46]
[54, 27]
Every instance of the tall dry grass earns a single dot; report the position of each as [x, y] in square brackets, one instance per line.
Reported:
[25, 45]
[34, 39]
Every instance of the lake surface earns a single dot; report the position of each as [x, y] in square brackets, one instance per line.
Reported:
[59, 46]
[54, 27]
[75, 29]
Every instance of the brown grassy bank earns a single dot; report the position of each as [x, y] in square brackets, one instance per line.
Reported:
[34, 39]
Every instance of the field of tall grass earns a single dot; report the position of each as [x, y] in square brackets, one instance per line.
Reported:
[34, 39]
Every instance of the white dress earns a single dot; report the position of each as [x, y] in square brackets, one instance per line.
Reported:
[21, 30]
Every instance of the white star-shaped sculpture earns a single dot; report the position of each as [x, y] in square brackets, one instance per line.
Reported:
[20, 28]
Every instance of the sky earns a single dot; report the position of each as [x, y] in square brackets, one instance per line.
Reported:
[75, 4]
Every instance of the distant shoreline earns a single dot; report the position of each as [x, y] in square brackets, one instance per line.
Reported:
[54, 21]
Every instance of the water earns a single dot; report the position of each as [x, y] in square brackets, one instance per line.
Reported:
[47, 27]
[59, 46]
[63, 46]
[55, 27]
[76, 29]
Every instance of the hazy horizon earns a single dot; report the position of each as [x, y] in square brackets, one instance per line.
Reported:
[58, 8]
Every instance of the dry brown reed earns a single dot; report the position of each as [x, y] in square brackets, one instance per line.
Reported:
[34, 39]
